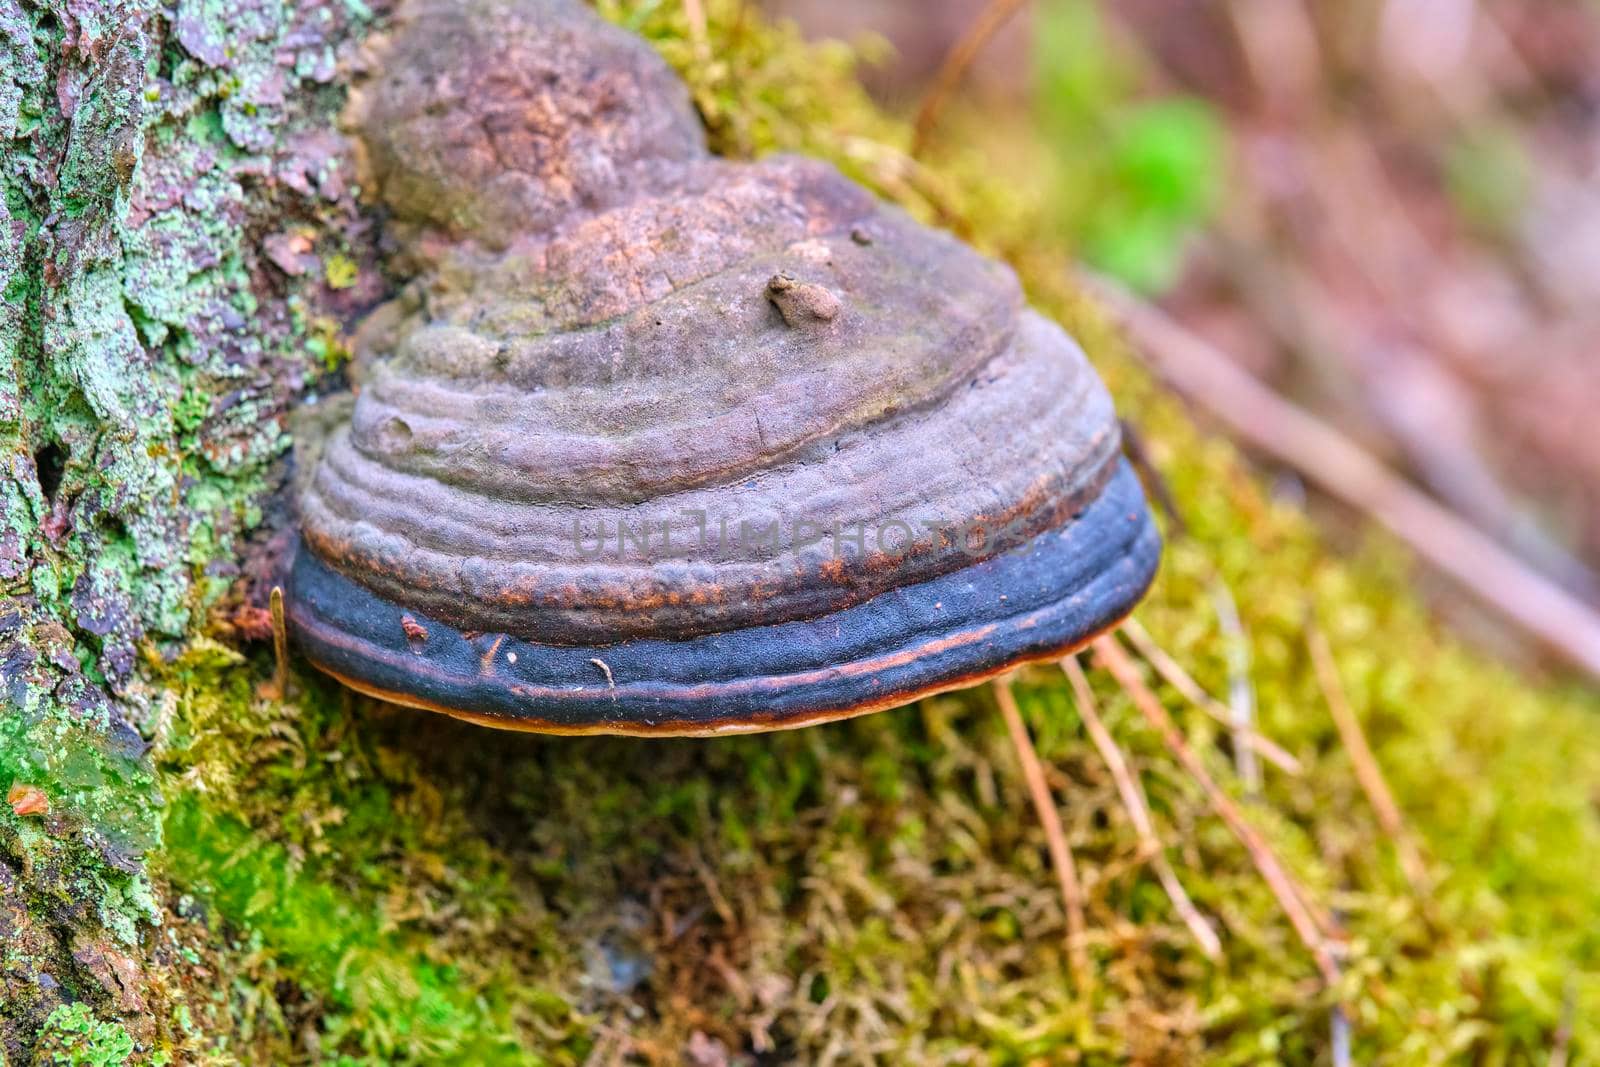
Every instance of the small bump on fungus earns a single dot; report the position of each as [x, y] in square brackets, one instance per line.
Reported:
[585, 445]
[801, 303]
[416, 633]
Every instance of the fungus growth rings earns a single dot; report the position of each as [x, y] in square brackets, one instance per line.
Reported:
[767, 449]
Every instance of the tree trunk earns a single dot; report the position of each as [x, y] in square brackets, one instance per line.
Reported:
[179, 246]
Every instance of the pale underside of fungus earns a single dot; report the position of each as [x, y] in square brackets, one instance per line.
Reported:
[656, 442]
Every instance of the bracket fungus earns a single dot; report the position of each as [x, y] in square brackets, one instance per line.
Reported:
[660, 443]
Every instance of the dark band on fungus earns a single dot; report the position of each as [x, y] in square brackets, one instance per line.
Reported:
[1036, 602]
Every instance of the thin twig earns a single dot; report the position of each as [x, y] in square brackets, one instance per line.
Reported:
[1368, 773]
[1561, 1044]
[1346, 178]
[1133, 799]
[1290, 898]
[1174, 675]
[699, 37]
[1055, 837]
[1365, 361]
[1269, 422]
[1241, 694]
[994, 15]
[280, 645]
[1339, 1036]
[1155, 483]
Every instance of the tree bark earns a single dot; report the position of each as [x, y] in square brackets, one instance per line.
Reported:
[179, 248]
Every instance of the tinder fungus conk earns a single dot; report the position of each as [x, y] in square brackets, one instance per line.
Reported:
[661, 443]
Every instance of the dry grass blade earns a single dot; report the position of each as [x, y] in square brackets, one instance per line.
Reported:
[1241, 694]
[1290, 897]
[1561, 1044]
[1172, 672]
[1339, 1036]
[699, 36]
[278, 688]
[986, 25]
[1368, 773]
[1054, 835]
[1133, 799]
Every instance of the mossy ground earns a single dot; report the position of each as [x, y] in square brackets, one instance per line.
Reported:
[362, 883]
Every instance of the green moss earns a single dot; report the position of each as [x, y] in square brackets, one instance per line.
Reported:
[340, 272]
[379, 992]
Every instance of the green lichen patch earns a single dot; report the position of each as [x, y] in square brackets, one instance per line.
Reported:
[74, 1036]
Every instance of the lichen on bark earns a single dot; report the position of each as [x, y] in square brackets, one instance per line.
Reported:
[150, 344]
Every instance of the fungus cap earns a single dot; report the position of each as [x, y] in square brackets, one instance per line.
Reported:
[661, 443]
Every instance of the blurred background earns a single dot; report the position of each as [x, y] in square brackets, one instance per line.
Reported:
[1385, 210]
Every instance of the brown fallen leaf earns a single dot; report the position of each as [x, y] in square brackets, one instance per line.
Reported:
[28, 800]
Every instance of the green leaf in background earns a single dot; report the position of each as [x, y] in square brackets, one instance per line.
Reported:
[1136, 176]
[1489, 175]
[1164, 171]
[1078, 72]
[1169, 155]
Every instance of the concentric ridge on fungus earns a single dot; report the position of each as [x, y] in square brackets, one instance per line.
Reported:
[661, 443]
